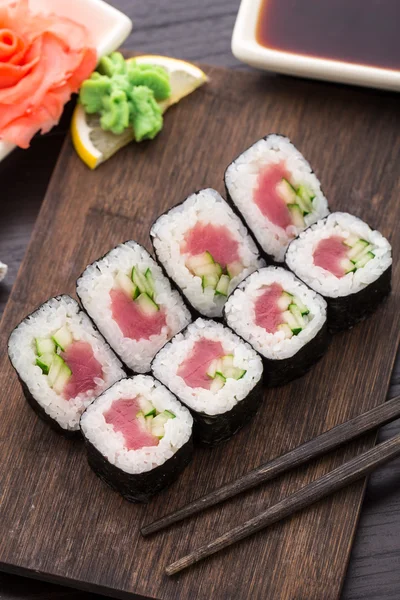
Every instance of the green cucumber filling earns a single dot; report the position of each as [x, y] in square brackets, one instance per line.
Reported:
[212, 275]
[299, 200]
[277, 310]
[221, 369]
[342, 255]
[152, 420]
[140, 287]
[48, 358]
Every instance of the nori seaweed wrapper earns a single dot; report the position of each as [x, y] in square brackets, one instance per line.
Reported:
[39, 410]
[142, 486]
[280, 372]
[344, 312]
[211, 430]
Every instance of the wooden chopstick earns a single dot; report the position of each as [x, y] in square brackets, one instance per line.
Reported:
[327, 484]
[316, 447]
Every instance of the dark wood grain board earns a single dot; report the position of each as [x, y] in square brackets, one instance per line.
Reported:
[57, 521]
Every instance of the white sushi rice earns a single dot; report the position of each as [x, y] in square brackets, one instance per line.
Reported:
[299, 257]
[94, 286]
[241, 179]
[240, 313]
[43, 323]
[111, 443]
[168, 233]
[167, 362]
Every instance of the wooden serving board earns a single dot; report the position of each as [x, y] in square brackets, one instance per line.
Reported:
[57, 520]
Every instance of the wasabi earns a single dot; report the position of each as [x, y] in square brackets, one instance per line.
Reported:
[126, 95]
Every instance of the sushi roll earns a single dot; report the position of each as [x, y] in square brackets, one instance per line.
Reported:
[345, 261]
[274, 188]
[206, 250]
[138, 437]
[216, 374]
[132, 303]
[282, 319]
[62, 362]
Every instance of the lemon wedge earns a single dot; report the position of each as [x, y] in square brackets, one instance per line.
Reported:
[94, 145]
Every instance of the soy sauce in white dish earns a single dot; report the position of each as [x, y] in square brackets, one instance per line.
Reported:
[364, 32]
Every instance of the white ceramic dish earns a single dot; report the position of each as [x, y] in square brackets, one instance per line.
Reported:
[246, 48]
[109, 28]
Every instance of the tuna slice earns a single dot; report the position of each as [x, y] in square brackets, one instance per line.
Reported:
[267, 198]
[268, 314]
[330, 254]
[85, 369]
[194, 369]
[122, 416]
[215, 239]
[133, 323]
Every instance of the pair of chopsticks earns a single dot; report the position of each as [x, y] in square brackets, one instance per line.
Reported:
[329, 483]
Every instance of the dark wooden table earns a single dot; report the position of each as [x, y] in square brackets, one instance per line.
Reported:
[198, 31]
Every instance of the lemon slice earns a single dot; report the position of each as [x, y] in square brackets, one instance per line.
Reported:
[94, 145]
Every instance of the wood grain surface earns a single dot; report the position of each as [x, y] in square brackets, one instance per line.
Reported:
[197, 31]
[89, 536]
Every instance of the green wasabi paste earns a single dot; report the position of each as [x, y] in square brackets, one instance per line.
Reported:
[126, 94]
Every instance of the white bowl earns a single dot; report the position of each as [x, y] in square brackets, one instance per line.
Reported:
[246, 48]
[108, 26]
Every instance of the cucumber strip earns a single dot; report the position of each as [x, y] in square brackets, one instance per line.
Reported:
[150, 282]
[358, 248]
[223, 285]
[44, 362]
[169, 414]
[286, 191]
[286, 330]
[302, 307]
[199, 260]
[292, 322]
[226, 362]
[351, 240]
[361, 254]
[294, 309]
[217, 383]
[141, 282]
[297, 215]
[63, 337]
[234, 373]
[142, 420]
[284, 301]
[149, 422]
[151, 413]
[212, 269]
[62, 378]
[55, 369]
[215, 365]
[305, 198]
[45, 346]
[209, 281]
[347, 265]
[364, 260]
[126, 285]
[147, 305]
[234, 269]
[145, 405]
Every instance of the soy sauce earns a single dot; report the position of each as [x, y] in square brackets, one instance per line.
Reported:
[365, 32]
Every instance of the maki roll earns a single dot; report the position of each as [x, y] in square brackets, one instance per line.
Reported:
[216, 375]
[345, 261]
[276, 191]
[132, 303]
[205, 248]
[282, 319]
[62, 362]
[138, 437]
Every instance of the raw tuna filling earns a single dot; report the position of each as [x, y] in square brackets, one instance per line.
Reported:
[340, 255]
[215, 239]
[122, 415]
[69, 365]
[213, 256]
[132, 321]
[194, 369]
[279, 200]
[278, 310]
[208, 366]
[85, 369]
